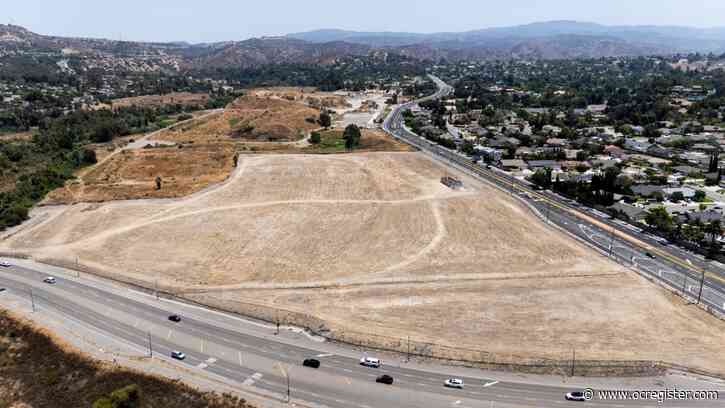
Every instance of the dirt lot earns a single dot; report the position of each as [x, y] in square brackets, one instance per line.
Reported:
[39, 371]
[180, 98]
[375, 243]
[251, 118]
[132, 174]
[309, 96]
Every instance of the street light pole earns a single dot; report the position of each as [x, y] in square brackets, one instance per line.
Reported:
[702, 283]
[151, 351]
[32, 300]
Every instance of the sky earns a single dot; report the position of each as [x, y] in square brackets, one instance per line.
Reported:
[217, 20]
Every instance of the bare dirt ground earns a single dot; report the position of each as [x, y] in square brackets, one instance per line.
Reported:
[16, 136]
[309, 96]
[132, 174]
[180, 98]
[376, 246]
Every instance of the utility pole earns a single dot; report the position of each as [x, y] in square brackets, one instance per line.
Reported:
[684, 284]
[289, 397]
[32, 300]
[151, 351]
[702, 283]
[548, 210]
[611, 244]
[407, 359]
[573, 361]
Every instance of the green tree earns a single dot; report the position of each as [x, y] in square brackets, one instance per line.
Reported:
[659, 218]
[352, 136]
[325, 119]
[542, 178]
[700, 196]
[315, 138]
[677, 196]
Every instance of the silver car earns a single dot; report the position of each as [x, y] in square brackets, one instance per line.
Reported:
[454, 383]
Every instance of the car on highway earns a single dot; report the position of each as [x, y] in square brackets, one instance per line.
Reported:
[5, 264]
[370, 362]
[311, 362]
[50, 280]
[175, 318]
[384, 379]
[575, 396]
[454, 383]
[650, 255]
[2, 290]
[178, 355]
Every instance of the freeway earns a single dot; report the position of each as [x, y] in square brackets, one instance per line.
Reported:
[688, 273]
[252, 354]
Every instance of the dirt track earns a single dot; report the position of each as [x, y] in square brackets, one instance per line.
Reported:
[376, 241]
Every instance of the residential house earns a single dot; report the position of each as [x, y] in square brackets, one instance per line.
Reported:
[632, 213]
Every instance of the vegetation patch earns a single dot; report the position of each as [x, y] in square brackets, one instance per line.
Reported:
[38, 372]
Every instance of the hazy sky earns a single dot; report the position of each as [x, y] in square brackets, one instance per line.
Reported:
[216, 20]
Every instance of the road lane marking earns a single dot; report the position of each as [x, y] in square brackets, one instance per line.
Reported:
[324, 355]
[240, 357]
[488, 384]
[252, 379]
[202, 346]
[168, 336]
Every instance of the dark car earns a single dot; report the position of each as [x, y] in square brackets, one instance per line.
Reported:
[650, 255]
[311, 362]
[175, 318]
[384, 379]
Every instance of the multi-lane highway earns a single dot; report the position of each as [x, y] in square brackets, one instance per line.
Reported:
[676, 267]
[253, 355]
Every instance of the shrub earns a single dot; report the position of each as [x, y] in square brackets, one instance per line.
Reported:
[315, 138]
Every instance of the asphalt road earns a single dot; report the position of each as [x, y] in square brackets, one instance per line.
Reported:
[251, 353]
[677, 267]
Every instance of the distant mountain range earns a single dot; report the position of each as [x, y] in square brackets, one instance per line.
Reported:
[548, 40]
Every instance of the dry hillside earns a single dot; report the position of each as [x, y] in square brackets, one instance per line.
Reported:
[36, 371]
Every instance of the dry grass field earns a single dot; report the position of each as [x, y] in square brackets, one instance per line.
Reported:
[132, 174]
[374, 244]
[174, 98]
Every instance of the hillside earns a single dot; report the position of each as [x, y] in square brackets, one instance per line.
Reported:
[623, 40]
[552, 40]
[38, 372]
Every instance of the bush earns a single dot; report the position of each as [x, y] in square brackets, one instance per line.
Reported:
[184, 117]
[315, 138]
[126, 397]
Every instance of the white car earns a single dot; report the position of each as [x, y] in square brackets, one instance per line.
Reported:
[575, 396]
[5, 264]
[50, 280]
[178, 355]
[370, 362]
[454, 383]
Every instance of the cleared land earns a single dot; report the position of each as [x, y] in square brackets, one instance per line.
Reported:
[199, 153]
[374, 245]
[175, 98]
